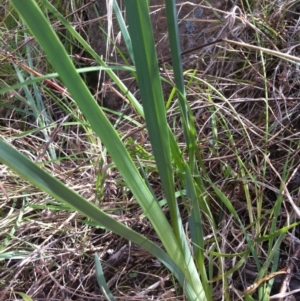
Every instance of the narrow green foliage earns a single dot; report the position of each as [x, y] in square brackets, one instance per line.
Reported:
[221, 133]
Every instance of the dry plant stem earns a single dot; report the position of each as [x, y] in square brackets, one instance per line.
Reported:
[22, 267]
[275, 297]
[29, 258]
[161, 61]
[285, 190]
[51, 139]
[242, 91]
[132, 132]
[285, 284]
[293, 174]
[45, 272]
[291, 267]
[4, 192]
[113, 262]
[57, 87]
[254, 286]
[265, 50]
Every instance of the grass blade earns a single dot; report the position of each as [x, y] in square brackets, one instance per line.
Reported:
[101, 280]
[59, 59]
[155, 115]
[41, 179]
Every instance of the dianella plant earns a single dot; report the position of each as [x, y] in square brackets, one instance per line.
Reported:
[182, 251]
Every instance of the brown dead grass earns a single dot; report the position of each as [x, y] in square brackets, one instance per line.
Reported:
[52, 248]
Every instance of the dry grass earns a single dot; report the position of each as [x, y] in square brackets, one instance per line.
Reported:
[245, 104]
